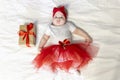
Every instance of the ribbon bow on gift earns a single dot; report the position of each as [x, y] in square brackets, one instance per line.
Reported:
[64, 43]
[26, 34]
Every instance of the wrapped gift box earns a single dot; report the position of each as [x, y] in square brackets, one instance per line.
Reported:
[27, 35]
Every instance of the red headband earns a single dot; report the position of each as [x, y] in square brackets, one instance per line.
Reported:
[61, 9]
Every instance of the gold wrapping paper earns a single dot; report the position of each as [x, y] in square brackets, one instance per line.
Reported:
[23, 38]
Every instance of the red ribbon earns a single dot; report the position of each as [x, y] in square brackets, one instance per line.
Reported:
[26, 34]
[64, 43]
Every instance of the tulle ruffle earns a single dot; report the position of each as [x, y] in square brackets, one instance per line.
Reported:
[76, 55]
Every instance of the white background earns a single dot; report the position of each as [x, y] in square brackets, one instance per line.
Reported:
[100, 18]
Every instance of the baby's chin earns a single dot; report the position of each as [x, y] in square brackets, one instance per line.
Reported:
[58, 24]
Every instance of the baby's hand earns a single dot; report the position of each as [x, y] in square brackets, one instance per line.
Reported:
[40, 48]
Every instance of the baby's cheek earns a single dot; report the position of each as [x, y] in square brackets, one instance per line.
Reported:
[63, 21]
[54, 21]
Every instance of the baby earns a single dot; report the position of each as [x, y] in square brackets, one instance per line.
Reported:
[63, 54]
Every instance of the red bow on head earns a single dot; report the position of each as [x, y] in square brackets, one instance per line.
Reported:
[26, 34]
[61, 9]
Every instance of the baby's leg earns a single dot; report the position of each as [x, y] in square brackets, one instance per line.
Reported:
[79, 72]
[73, 74]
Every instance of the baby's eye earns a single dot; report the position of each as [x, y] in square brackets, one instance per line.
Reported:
[58, 17]
[61, 17]
[55, 17]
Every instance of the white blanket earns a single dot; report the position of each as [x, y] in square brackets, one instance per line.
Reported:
[100, 18]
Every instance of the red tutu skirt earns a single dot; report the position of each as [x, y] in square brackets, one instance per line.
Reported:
[76, 55]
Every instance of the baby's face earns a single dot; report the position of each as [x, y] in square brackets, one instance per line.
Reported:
[58, 19]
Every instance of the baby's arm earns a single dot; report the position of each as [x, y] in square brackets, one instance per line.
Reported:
[82, 33]
[43, 41]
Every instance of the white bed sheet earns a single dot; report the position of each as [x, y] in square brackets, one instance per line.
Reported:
[100, 18]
